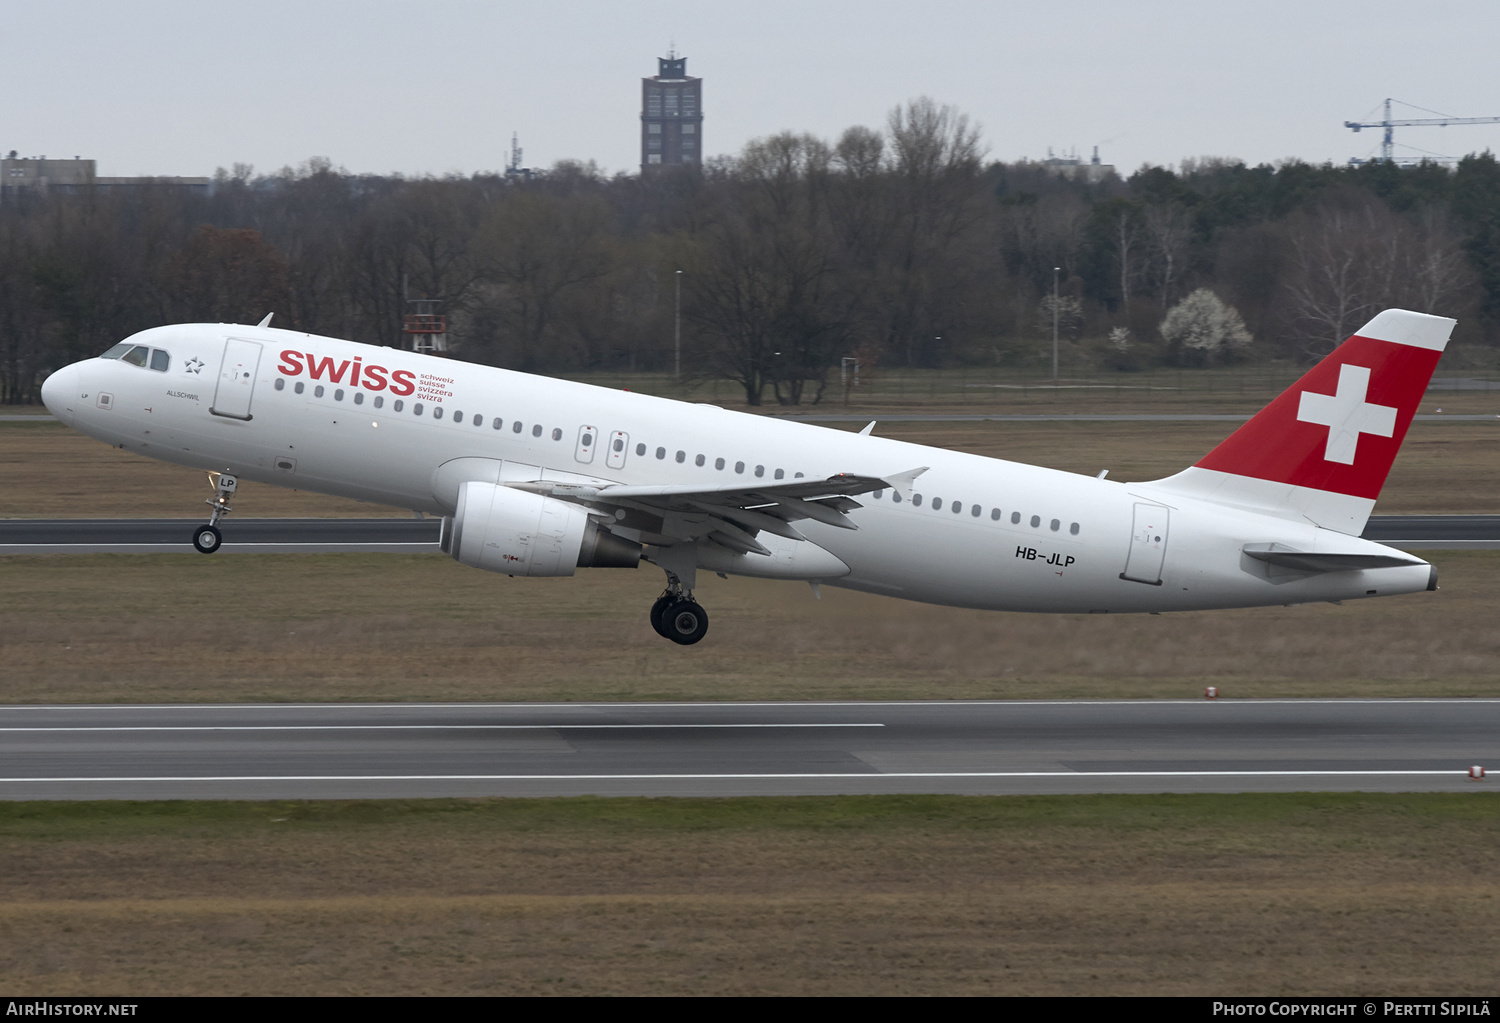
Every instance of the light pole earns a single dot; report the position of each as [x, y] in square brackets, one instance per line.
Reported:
[677, 334]
[1054, 323]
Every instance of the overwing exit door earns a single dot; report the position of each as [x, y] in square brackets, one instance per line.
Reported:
[1148, 544]
[236, 379]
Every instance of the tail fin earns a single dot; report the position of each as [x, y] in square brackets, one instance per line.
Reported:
[1323, 449]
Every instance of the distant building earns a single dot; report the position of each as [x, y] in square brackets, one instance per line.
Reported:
[1070, 166]
[671, 116]
[20, 175]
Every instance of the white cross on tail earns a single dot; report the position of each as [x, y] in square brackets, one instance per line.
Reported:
[1347, 414]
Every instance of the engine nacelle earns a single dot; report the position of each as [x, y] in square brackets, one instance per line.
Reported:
[502, 529]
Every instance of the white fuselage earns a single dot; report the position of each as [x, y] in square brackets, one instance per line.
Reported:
[1061, 542]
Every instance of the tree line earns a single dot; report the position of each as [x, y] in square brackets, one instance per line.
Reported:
[901, 246]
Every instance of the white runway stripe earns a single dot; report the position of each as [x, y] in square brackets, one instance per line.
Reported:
[869, 775]
[423, 728]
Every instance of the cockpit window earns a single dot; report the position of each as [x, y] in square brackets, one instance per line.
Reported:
[160, 360]
[137, 356]
[117, 351]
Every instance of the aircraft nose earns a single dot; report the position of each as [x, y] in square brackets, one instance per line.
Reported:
[60, 390]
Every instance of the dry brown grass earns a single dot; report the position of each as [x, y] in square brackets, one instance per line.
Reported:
[1221, 895]
[421, 627]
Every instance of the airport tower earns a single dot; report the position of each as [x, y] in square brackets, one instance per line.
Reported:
[671, 115]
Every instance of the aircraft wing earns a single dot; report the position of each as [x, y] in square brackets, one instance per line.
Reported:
[729, 515]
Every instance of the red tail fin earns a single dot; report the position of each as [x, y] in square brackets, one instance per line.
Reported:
[1332, 436]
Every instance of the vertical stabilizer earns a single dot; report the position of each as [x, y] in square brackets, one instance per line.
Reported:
[1323, 449]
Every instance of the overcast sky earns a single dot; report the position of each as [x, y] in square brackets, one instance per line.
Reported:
[437, 87]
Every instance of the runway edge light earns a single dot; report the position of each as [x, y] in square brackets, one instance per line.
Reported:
[1476, 772]
[1211, 693]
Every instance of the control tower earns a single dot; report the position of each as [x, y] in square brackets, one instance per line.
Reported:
[671, 116]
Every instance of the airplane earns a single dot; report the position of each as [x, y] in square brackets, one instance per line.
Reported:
[538, 477]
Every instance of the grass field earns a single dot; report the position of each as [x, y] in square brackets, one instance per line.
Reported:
[1220, 895]
[182, 627]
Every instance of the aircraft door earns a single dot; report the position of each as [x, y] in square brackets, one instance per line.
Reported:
[236, 379]
[588, 439]
[619, 445]
[1148, 544]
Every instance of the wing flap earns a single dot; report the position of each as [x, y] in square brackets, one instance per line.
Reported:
[737, 511]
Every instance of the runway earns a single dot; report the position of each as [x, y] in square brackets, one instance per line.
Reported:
[295, 751]
[318, 536]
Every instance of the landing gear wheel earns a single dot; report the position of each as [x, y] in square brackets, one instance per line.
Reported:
[684, 622]
[206, 539]
[658, 610]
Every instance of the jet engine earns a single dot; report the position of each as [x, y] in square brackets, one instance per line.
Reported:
[501, 529]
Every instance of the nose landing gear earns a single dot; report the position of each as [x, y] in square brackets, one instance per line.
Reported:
[207, 538]
[677, 616]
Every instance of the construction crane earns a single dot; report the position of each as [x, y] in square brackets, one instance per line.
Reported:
[1389, 142]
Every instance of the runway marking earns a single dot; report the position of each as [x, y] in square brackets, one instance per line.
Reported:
[423, 728]
[872, 775]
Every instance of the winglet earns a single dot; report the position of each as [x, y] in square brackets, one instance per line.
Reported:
[868, 429]
[901, 482]
[267, 321]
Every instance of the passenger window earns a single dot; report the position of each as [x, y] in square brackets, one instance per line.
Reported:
[458, 417]
[958, 507]
[661, 453]
[640, 450]
[359, 397]
[498, 423]
[517, 428]
[682, 456]
[318, 392]
[437, 412]
[587, 439]
[399, 405]
[895, 497]
[280, 384]
[160, 360]
[416, 409]
[379, 401]
[798, 476]
[718, 463]
[974, 511]
[878, 494]
[937, 504]
[994, 514]
[916, 499]
[536, 431]
[1036, 520]
[338, 394]
[619, 444]
[781, 474]
[479, 421]
[1073, 529]
[739, 467]
[760, 471]
[1054, 525]
[137, 356]
[556, 433]
[1015, 518]
[699, 461]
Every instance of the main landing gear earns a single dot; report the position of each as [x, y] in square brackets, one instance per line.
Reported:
[207, 538]
[677, 616]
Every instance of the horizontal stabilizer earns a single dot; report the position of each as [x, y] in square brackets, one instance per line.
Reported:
[1311, 561]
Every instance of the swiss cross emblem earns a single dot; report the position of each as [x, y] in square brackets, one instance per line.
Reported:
[1347, 414]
